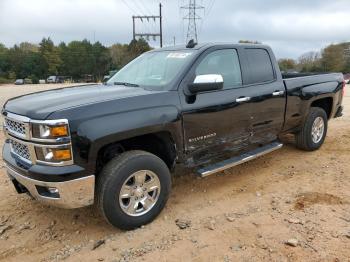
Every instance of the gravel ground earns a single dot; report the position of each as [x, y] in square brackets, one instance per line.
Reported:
[289, 205]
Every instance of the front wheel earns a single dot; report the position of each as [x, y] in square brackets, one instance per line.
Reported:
[314, 130]
[132, 189]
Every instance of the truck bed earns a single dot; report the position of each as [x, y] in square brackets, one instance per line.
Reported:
[302, 80]
[302, 88]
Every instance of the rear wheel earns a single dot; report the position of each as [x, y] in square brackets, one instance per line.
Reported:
[132, 189]
[314, 130]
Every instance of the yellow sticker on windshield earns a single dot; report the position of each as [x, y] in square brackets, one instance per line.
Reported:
[178, 55]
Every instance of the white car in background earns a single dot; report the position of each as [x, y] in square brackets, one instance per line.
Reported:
[19, 82]
[51, 79]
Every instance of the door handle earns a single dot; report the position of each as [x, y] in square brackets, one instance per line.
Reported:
[278, 93]
[242, 99]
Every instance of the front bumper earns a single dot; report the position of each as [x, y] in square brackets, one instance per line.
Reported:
[68, 194]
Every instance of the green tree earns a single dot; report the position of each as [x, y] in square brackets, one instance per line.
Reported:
[28, 47]
[287, 64]
[310, 62]
[4, 61]
[137, 47]
[122, 54]
[51, 55]
[33, 66]
[119, 55]
[75, 59]
[102, 61]
[78, 59]
[24, 61]
[333, 58]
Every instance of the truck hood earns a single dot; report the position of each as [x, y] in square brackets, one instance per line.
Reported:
[41, 104]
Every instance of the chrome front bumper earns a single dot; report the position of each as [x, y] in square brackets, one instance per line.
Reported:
[69, 194]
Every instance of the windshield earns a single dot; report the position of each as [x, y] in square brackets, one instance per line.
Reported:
[154, 70]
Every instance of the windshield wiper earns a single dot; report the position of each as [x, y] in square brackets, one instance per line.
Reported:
[126, 84]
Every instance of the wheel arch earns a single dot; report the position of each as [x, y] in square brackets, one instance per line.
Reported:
[326, 103]
[160, 143]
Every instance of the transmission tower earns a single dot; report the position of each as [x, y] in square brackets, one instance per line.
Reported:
[192, 16]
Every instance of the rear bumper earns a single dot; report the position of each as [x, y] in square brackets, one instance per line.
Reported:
[69, 194]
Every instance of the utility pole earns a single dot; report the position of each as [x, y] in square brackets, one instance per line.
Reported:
[149, 34]
[192, 17]
[160, 25]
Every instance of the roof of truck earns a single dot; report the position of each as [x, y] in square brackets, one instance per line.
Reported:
[206, 45]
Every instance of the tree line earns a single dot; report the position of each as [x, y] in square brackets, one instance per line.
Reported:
[79, 58]
[74, 59]
[333, 58]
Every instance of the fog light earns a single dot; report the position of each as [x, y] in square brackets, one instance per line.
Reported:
[52, 190]
[54, 155]
[61, 154]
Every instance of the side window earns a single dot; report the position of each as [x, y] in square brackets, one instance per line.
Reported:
[260, 65]
[225, 63]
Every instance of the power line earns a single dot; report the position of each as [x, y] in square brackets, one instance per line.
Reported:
[192, 17]
[128, 6]
[140, 7]
[210, 7]
[145, 7]
[152, 26]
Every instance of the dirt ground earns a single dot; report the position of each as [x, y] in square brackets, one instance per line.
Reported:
[253, 212]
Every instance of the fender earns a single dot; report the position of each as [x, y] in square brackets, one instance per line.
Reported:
[133, 124]
[96, 125]
[302, 92]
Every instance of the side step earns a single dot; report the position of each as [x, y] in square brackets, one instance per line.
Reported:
[237, 160]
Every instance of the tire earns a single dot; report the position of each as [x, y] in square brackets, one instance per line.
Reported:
[125, 172]
[305, 139]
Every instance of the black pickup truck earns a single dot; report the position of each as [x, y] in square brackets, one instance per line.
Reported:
[200, 108]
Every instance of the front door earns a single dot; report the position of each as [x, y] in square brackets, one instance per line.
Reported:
[216, 123]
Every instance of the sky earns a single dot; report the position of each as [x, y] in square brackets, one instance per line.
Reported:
[291, 28]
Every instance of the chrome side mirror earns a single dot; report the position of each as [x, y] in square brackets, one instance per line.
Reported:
[203, 83]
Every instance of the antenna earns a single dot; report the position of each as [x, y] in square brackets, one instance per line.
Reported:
[191, 44]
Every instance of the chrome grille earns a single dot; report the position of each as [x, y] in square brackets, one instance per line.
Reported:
[20, 149]
[15, 126]
[17, 129]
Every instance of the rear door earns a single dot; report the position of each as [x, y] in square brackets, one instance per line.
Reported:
[268, 96]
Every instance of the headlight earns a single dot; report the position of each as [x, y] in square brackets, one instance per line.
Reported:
[53, 131]
[57, 150]
[50, 130]
[53, 155]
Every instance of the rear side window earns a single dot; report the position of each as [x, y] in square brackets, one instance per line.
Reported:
[260, 65]
[225, 63]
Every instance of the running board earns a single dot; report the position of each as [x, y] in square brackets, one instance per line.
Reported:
[234, 161]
